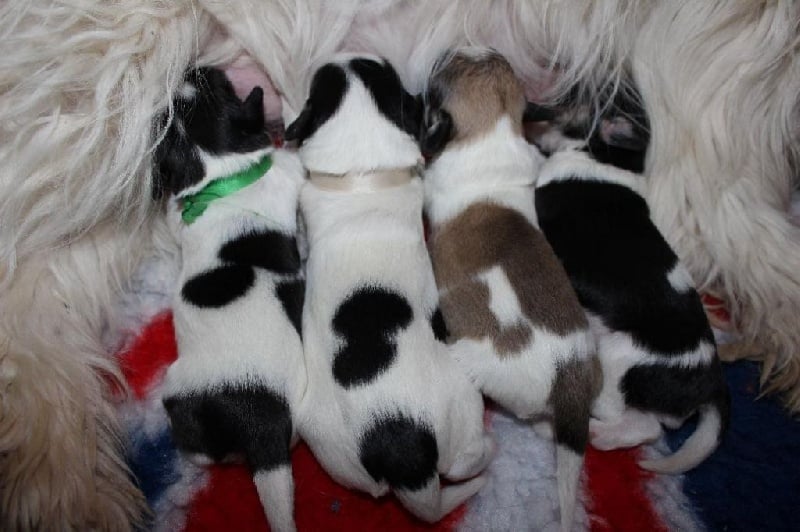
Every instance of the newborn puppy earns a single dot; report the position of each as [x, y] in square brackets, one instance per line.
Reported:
[385, 408]
[519, 331]
[654, 341]
[240, 374]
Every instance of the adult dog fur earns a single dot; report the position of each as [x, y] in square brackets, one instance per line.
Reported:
[83, 80]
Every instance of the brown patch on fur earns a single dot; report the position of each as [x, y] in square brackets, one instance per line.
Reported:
[477, 92]
[487, 235]
[577, 383]
[480, 322]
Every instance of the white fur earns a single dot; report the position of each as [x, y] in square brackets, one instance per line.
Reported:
[695, 449]
[461, 176]
[276, 492]
[720, 83]
[504, 302]
[376, 238]
[679, 278]
[82, 84]
[422, 382]
[346, 142]
[577, 165]
[250, 339]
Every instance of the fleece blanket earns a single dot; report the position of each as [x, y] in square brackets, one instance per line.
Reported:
[752, 482]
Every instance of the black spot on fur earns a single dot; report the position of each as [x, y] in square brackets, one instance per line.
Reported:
[393, 101]
[401, 451]
[265, 249]
[328, 88]
[218, 287]
[618, 264]
[254, 422]
[291, 295]
[675, 390]
[214, 119]
[368, 322]
[439, 326]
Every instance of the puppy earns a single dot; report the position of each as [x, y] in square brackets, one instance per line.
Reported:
[385, 408]
[240, 374]
[655, 344]
[518, 328]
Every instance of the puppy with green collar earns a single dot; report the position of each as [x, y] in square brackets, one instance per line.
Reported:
[240, 374]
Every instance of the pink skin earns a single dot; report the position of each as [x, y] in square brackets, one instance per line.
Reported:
[245, 74]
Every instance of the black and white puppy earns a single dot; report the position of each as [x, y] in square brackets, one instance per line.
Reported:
[240, 372]
[655, 344]
[386, 409]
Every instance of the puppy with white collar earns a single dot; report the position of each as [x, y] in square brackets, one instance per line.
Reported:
[240, 374]
[657, 349]
[386, 409]
[517, 327]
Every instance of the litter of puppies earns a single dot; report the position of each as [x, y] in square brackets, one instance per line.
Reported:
[373, 345]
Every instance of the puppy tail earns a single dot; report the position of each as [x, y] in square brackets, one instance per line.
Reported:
[569, 465]
[276, 491]
[704, 440]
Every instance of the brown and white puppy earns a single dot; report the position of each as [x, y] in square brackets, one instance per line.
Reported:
[516, 325]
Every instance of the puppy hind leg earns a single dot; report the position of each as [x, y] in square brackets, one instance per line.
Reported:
[474, 358]
[472, 460]
[629, 430]
[432, 502]
[268, 453]
[276, 492]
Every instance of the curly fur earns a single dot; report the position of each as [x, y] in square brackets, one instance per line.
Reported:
[81, 81]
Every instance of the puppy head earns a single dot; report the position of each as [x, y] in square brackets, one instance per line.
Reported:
[358, 117]
[208, 121]
[468, 92]
[618, 137]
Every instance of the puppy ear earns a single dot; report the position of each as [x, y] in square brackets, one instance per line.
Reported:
[412, 113]
[436, 131]
[619, 132]
[538, 113]
[253, 107]
[176, 163]
[298, 130]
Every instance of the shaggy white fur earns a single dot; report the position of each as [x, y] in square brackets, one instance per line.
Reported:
[81, 82]
[720, 83]
[82, 79]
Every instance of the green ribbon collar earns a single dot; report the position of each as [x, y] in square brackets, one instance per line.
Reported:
[195, 204]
